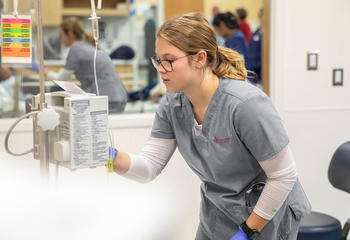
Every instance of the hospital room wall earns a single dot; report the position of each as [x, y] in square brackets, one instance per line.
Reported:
[316, 114]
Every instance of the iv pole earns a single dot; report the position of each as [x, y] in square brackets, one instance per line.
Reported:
[43, 146]
[43, 135]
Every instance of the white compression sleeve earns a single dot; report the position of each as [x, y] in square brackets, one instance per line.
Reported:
[281, 176]
[62, 75]
[154, 156]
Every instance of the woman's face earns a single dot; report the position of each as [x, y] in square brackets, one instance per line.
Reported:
[184, 73]
[66, 39]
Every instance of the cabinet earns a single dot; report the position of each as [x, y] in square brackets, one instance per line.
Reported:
[173, 8]
[51, 12]
[54, 11]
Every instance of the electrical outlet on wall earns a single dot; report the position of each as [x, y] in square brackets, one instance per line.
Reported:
[338, 75]
[312, 60]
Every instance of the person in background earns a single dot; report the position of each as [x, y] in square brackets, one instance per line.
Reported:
[11, 93]
[80, 61]
[6, 92]
[253, 62]
[226, 26]
[150, 38]
[227, 131]
[215, 12]
[243, 25]
[5, 73]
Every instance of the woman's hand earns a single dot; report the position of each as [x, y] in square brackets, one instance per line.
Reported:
[5, 73]
[46, 72]
[240, 235]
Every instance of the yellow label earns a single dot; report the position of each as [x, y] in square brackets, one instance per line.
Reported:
[16, 35]
[110, 165]
[16, 25]
[15, 45]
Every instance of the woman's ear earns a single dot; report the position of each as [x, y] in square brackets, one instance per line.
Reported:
[70, 34]
[201, 59]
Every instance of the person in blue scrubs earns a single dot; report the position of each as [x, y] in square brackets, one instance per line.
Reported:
[229, 134]
[253, 60]
[226, 25]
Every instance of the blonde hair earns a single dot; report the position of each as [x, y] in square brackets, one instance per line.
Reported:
[74, 25]
[192, 33]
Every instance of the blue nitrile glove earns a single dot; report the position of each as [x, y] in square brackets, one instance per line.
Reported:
[240, 235]
[35, 66]
[112, 154]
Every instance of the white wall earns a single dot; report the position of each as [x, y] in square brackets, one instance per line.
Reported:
[89, 204]
[316, 114]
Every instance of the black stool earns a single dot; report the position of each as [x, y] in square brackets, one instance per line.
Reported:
[319, 226]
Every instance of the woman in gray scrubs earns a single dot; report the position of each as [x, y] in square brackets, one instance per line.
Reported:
[80, 61]
[228, 132]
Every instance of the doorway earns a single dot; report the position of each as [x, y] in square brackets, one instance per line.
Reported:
[172, 8]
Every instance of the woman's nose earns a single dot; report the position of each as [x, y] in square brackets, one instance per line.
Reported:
[160, 69]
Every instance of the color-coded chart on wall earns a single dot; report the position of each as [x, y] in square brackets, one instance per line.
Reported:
[16, 46]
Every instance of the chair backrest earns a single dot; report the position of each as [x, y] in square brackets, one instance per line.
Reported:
[339, 168]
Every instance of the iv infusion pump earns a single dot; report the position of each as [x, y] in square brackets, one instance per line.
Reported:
[80, 139]
[75, 123]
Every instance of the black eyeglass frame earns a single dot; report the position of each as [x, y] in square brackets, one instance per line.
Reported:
[156, 62]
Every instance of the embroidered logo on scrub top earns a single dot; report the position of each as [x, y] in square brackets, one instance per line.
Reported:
[221, 140]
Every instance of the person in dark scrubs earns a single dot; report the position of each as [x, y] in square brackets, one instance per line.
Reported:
[226, 25]
[80, 61]
[150, 35]
[243, 24]
[228, 132]
[253, 60]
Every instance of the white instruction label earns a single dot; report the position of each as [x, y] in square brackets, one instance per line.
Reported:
[99, 126]
[89, 133]
[80, 134]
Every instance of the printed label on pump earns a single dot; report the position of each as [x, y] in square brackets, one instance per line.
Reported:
[80, 134]
[89, 134]
[16, 47]
[99, 121]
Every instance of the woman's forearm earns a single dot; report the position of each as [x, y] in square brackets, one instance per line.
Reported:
[256, 222]
[281, 176]
[148, 164]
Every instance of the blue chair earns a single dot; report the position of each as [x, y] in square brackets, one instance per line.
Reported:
[123, 52]
[319, 226]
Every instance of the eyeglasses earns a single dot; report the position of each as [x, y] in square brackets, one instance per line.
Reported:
[166, 64]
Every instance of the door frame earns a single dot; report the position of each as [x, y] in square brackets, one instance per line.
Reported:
[265, 50]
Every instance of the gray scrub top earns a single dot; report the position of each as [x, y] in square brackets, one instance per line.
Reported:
[80, 59]
[241, 127]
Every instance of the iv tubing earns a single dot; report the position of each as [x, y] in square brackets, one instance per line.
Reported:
[10, 130]
[15, 8]
[95, 73]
